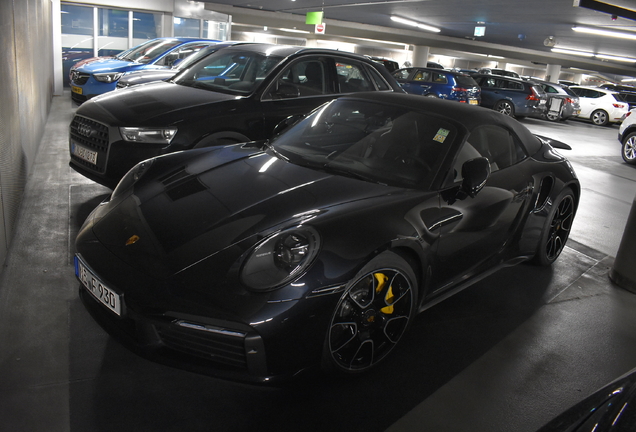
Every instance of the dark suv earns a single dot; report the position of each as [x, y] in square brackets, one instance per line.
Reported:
[512, 96]
[236, 94]
[439, 83]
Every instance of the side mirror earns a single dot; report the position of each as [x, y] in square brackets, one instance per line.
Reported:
[286, 91]
[475, 173]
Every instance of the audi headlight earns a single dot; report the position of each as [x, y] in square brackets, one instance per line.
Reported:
[108, 77]
[131, 177]
[158, 135]
[280, 258]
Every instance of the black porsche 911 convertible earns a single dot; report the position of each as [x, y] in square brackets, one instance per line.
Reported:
[256, 261]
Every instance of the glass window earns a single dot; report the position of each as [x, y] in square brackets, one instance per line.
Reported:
[113, 31]
[422, 76]
[229, 71]
[77, 20]
[352, 77]
[439, 78]
[77, 36]
[187, 27]
[113, 22]
[380, 143]
[403, 73]
[146, 26]
[181, 53]
[497, 144]
[513, 85]
[379, 81]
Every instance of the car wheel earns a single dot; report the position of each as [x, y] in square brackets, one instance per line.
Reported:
[556, 228]
[371, 316]
[505, 107]
[628, 150]
[552, 116]
[600, 118]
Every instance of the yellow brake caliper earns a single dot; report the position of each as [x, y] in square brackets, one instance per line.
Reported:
[389, 298]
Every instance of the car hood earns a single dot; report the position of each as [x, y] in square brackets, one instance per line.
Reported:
[148, 105]
[224, 199]
[101, 65]
[144, 76]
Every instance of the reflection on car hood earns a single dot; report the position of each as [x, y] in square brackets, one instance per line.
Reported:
[102, 65]
[219, 199]
[144, 76]
[140, 106]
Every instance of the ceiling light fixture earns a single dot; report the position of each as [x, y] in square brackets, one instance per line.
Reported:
[572, 52]
[415, 24]
[609, 33]
[616, 58]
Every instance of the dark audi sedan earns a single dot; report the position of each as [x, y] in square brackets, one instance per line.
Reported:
[317, 248]
[236, 94]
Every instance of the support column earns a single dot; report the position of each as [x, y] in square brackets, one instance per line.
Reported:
[552, 73]
[623, 272]
[420, 55]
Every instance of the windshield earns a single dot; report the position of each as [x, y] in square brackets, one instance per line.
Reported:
[148, 51]
[229, 71]
[371, 141]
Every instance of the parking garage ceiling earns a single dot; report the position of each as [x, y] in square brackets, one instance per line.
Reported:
[514, 29]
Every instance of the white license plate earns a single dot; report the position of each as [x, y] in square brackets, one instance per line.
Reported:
[84, 153]
[97, 288]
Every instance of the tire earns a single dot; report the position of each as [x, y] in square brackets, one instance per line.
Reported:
[600, 117]
[552, 116]
[371, 316]
[556, 229]
[628, 149]
[505, 107]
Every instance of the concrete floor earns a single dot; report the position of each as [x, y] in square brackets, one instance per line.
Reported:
[506, 355]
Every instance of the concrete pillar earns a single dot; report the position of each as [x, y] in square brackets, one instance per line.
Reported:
[623, 273]
[552, 73]
[420, 55]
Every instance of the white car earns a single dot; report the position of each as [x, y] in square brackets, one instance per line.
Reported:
[600, 105]
[627, 137]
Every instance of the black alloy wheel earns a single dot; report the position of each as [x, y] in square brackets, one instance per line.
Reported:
[628, 150]
[556, 229]
[600, 118]
[371, 316]
[505, 107]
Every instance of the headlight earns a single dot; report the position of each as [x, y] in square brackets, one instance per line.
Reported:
[148, 135]
[280, 258]
[132, 177]
[108, 77]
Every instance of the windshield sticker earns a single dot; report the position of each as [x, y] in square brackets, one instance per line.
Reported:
[441, 136]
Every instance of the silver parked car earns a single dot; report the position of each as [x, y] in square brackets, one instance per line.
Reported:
[563, 103]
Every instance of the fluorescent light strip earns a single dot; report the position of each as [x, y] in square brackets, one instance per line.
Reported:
[609, 33]
[572, 52]
[616, 58]
[415, 24]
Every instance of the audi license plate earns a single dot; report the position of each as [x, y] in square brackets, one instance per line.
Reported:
[84, 153]
[97, 288]
[76, 89]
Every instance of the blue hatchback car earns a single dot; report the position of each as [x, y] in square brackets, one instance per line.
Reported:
[439, 83]
[99, 75]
